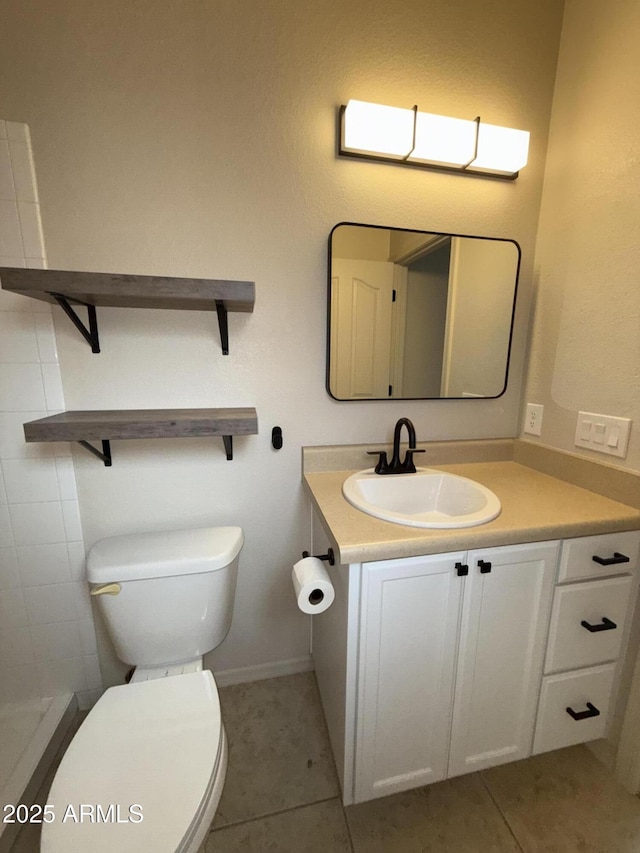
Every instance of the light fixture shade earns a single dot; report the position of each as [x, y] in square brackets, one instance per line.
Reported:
[375, 129]
[379, 132]
[501, 150]
[445, 141]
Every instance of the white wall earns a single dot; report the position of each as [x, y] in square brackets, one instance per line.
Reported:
[47, 638]
[585, 351]
[199, 139]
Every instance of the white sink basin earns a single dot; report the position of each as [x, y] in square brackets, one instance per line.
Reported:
[427, 498]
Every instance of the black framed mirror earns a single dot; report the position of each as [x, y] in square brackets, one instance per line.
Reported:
[419, 314]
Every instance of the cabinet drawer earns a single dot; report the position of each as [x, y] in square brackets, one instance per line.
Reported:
[597, 556]
[604, 606]
[555, 727]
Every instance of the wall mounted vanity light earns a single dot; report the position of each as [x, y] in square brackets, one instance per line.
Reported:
[396, 135]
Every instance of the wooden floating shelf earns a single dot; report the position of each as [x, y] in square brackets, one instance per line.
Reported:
[113, 290]
[104, 426]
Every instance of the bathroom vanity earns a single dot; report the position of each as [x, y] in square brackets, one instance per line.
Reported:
[449, 651]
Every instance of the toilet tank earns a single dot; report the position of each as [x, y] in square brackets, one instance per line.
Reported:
[172, 594]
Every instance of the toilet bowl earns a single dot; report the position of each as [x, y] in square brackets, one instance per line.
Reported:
[146, 768]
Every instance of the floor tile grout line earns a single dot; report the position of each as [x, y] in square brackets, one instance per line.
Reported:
[502, 814]
[273, 814]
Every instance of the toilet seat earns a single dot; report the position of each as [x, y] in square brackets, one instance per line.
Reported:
[158, 744]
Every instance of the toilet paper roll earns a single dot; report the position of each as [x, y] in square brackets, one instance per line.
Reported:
[312, 585]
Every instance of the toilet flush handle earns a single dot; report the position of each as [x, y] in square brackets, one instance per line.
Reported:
[106, 589]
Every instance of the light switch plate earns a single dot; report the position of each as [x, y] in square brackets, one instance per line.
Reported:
[603, 433]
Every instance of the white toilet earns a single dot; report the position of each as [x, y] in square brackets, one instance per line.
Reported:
[145, 770]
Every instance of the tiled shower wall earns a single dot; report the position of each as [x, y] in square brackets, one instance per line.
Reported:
[47, 636]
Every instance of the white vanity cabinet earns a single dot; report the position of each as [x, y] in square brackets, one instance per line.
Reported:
[451, 653]
[590, 622]
[434, 666]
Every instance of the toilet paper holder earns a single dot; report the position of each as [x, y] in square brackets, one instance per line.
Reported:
[328, 556]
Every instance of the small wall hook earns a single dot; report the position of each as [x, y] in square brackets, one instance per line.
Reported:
[276, 437]
[328, 556]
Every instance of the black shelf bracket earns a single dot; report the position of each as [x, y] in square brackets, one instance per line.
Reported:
[228, 445]
[223, 325]
[105, 455]
[91, 334]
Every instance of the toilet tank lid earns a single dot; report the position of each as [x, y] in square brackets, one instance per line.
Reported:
[138, 556]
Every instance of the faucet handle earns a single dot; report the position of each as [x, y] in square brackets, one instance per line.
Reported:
[383, 465]
[408, 466]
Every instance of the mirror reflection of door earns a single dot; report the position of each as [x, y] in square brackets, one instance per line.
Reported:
[367, 342]
[419, 314]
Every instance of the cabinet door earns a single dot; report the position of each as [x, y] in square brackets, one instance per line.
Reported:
[409, 624]
[502, 643]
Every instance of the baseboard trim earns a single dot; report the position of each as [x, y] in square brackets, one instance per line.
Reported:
[226, 677]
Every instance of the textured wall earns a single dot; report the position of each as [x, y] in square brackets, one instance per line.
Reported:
[198, 138]
[585, 351]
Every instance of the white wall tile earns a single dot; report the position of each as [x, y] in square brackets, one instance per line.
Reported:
[12, 442]
[18, 342]
[12, 609]
[56, 641]
[9, 571]
[62, 676]
[37, 263]
[92, 672]
[15, 646]
[10, 233]
[83, 600]
[37, 523]
[88, 698]
[77, 561]
[67, 482]
[46, 337]
[31, 227]
[72, 523]
[18, 683]
[88, 642]
[46, 604]
[44, 564]
[30, 480]
[53, 392]
[7, 188]
[6, 530]
[21, 388]
[18, 131]
[45, 610]
[23, 171]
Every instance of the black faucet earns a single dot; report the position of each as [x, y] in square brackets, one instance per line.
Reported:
[396, 466]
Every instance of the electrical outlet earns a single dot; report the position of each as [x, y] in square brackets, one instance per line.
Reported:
[533, 419]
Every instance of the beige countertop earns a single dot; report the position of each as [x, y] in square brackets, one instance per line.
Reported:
[535, 507]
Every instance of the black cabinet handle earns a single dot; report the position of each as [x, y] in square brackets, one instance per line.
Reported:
[484, 566]
[591, 711]
[611, 561]
[462, 570]
[605, 625]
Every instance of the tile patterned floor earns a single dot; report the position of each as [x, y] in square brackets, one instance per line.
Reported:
[281, 794]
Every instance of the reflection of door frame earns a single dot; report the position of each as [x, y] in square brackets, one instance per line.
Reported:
[398, 327]
[452, 295]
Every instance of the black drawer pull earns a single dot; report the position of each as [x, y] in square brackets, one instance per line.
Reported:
[611, 561]
[484, 566]
[605, 625]
[584, 715]
[462, 570]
